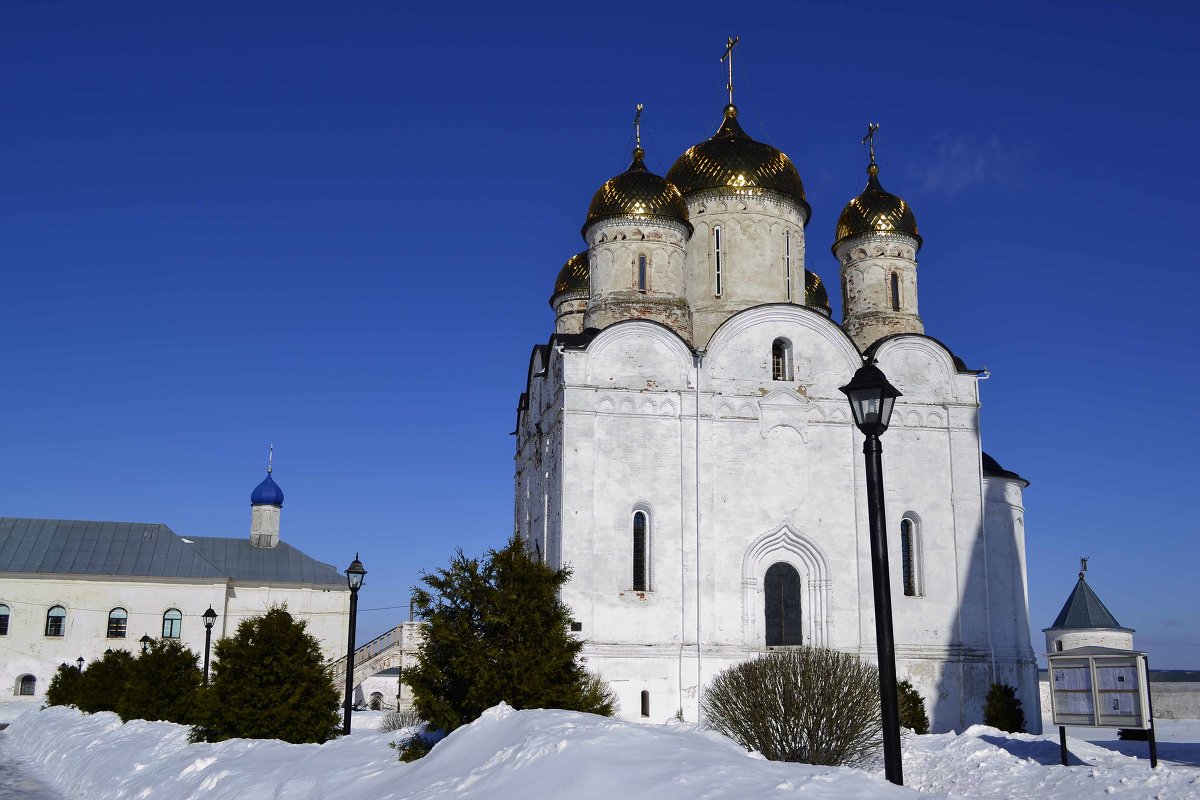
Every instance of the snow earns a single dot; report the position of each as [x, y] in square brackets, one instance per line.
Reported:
[530, 755]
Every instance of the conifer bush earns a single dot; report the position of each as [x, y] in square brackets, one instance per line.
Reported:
[496, 631]
[102, 684]
[805, 704]
[912, 708]
[64, 686]
[268, 681]
[162, 684]
[1002, 709]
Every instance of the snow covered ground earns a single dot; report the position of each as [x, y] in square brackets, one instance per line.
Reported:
[530, 755]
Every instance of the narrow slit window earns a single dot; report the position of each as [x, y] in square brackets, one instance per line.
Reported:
[118, 621]
[645, 703]
[909, 558]
[781, 360]
[639, 552]
[717, 257]
[56, 621]
[172, 622]
[642, 278]
[3, 620]
[787, 262]
[895, 292]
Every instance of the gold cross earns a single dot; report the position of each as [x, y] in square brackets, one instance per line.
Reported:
[637, 125]
[729, 45]
[870, 138]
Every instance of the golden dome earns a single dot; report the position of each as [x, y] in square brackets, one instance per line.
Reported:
[573, 277]
[731, 159]
[815, 295]
[637, 192]
[876, 210]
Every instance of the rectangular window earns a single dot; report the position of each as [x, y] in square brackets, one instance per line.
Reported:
[641, 274]
[4, 625]
[717, 255]
[54, 626]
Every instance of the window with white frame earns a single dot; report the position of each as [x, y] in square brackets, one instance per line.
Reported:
[172, 623]
[56, 621]
[781, 360]
[718, 255]
[118, 621]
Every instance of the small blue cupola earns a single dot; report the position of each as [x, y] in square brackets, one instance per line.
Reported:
[267, 493]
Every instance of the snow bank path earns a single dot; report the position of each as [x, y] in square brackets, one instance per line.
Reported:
[18, 783]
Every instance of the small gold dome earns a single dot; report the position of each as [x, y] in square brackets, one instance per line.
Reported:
[637, 192]
[815, 295]
[574, 276]
[876, 210]
[731, 159]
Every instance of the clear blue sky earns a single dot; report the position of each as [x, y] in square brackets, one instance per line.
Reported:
[336, 227]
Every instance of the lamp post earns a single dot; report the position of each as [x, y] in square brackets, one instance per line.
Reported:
[871, 401]
[354, 578]
[145, 640]
[79, 661]
[210, 619]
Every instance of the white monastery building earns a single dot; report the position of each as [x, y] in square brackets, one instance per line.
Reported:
[683, 445]
[73, 589]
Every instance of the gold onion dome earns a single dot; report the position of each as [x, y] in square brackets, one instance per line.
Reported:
[637, 192]
[732, 160]
[574, 276]
[876, 210]
[815, 294]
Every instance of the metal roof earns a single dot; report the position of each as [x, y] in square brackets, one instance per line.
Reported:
[1083, 609]
[135, 549]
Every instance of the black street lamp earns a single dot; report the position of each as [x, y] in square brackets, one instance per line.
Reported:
[871, 401]
[145, 640]
[210, 619]
[79, 661]
[354, 578]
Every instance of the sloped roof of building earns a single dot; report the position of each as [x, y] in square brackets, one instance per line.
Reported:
[141, 550]
[1083, 609]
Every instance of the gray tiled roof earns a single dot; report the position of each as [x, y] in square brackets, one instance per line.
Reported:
[134, 549]
[1083, 609]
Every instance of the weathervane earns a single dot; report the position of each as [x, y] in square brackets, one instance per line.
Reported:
[869, 139]
[270, 457]
[1083, 565]
[729, 45]
[637, 126]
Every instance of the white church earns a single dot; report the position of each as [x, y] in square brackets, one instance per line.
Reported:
[683, 445]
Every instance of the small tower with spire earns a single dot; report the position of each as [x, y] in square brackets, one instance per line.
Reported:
[876, 245]
[266, 503]
[1086, 622]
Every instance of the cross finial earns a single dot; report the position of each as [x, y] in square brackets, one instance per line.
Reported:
[1083, 565]
[637, 125]
[270, 457]
[869, 139]
[729, 45]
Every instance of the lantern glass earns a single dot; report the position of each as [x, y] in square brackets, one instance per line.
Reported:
[872, 399]
[210, 618]
[355, 574]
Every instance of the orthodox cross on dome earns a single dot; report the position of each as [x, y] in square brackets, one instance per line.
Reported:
[729, 45]
[869, 139]
[1083, 565]
[270, 457]
[637, 126]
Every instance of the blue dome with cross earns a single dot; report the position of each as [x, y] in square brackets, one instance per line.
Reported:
[267, 493]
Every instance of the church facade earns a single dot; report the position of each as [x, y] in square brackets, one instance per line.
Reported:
[683, 445]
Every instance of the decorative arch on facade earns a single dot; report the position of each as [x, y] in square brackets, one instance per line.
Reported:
[787, 545]
[655, 347]
[641, 542]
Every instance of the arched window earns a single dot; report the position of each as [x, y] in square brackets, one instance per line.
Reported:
[643, 277]
[56, 621]
[787, 262]
[117, 622]
[781, 360]
[641, 582]
[28, 686]
[782, 612]
[910, 557]
[3, 620]
[172, 622]
[645, 703]
[717, 255]
[895, 291]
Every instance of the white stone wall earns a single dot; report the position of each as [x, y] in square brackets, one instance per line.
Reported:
[869, 310]
[27, 650]
[615, 247]
[1116, 638]
[772, 471]
[264, 525]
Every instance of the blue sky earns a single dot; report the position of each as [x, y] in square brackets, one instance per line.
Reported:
[336, 229]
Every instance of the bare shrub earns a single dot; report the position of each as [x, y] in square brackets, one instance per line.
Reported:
[400, 719]
[806, 704]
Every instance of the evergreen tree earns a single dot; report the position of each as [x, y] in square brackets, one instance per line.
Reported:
[497, 632]
[912, 708]
[162, 684]
[269, 681]
[103, 682]
[1002, 709]
[64, 687]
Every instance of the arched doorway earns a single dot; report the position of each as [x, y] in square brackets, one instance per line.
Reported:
[782, 612]
[28, 686]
